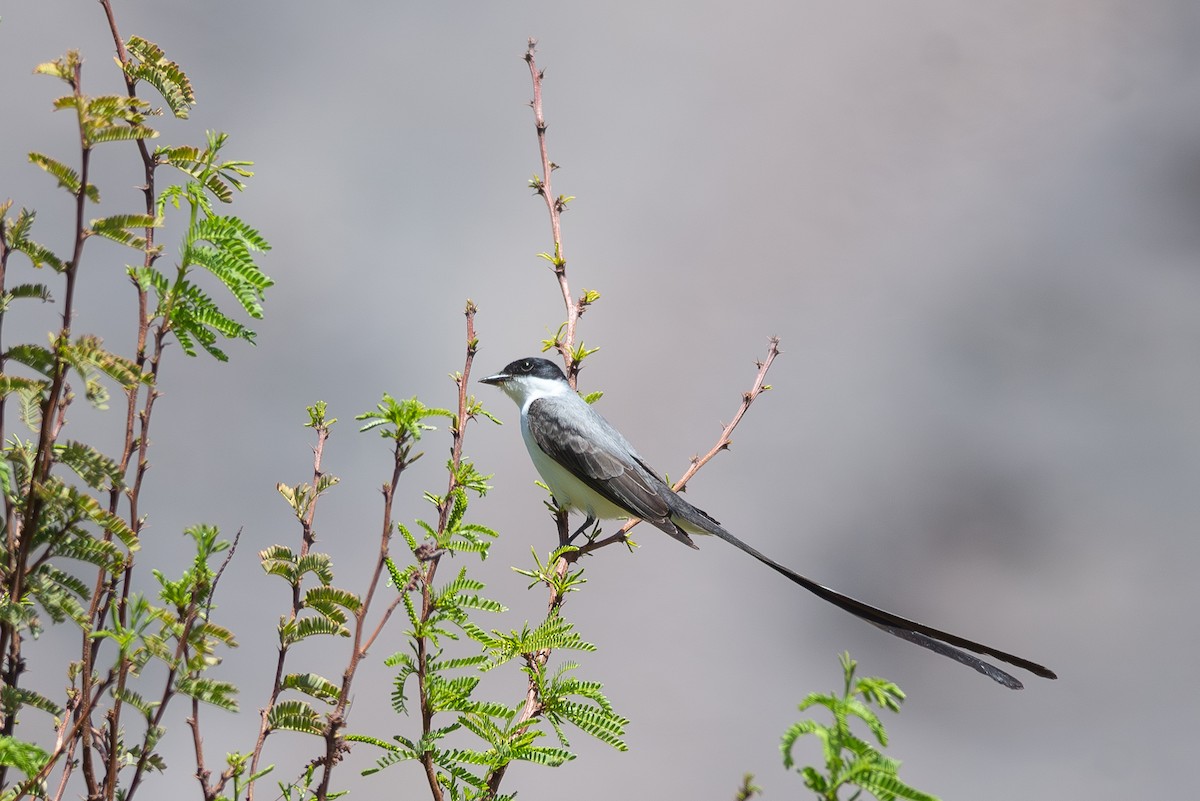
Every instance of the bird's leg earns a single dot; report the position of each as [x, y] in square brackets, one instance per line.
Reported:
[586, 525]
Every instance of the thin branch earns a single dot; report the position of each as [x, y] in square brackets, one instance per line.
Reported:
[53, 411]
[723, 443]
[458, 435]
[555, 206]
[308, 537]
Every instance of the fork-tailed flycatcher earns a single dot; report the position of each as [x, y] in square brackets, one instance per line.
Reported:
[591, 468]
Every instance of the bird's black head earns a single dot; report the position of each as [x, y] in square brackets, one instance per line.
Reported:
[531, 366]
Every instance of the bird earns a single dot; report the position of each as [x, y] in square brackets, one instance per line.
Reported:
[591, 468]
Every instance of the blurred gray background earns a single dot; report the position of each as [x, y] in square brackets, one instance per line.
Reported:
[974, 226]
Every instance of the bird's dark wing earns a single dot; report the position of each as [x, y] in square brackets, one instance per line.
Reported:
[624, 483]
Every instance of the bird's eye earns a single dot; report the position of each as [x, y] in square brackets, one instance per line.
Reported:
[527, 366]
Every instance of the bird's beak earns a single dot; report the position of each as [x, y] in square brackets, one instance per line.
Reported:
[495, 380]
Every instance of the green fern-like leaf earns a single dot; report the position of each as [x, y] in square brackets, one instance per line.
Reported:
[794, 733]
[61, 68]
[549, 757]
[453, 695]
[94, 552]
[295, 715]
[599, 723]
[153, 67]
[885, 786]
[67, 177]
[35, 357]
[120, 133]
[97, 470]
[14, 698]
[480, 603]
[11, 383]
[851, 761]
[148, 279]
[87, 353]
[207, 633]
[313, 685]
[331, 601]
[291, 632]
[278, 560]
[16, 237]
[119, 227]
[555, 633]
[136, 701]
[369, 740]
[319, 564]
[25, 757]
[440, 665]
[25, 291]
[210, 691]
[461, 582]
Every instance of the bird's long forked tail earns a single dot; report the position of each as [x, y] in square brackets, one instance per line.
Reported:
[940, 642]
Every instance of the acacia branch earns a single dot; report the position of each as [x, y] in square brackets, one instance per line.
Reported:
[308, 537]
[458, 435]
[723, 443]
[555, 205]
[53, 410]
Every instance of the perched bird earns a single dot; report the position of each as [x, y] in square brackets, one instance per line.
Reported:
[589, 467]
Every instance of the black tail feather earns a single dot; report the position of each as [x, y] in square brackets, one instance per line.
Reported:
[935, 640]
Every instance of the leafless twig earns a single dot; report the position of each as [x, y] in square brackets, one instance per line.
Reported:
[555, 205]
[723, 443]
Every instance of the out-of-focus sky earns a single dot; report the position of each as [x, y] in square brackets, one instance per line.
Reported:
[975, 227]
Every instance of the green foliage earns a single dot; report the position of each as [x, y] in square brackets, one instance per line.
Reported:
[748, 789]
[25, 757]
[545, 573]
[212, 175]
[148, 63]
[849, 760]
[465, 740]
[118, 228]
[67, 177]
[71, 510]
[593, 715]
[402, 421]
[103, 118]
[223, 246]
[16, 239]
[295, 715]
[210, 691]
[311, 685]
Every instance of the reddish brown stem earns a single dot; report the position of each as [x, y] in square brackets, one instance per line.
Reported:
[723, 443]
[458, 434]
[308, 537]
[555, 206]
